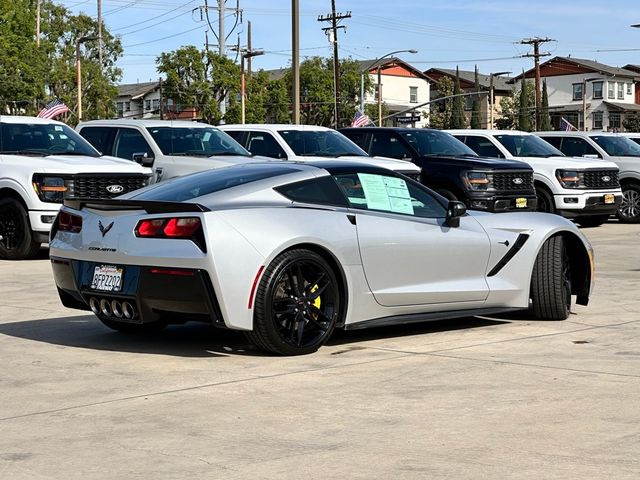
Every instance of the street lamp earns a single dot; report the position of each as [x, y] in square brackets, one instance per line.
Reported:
[584, 101]
[80, 40]
[491, 95]
[243, 94]
[379, 86]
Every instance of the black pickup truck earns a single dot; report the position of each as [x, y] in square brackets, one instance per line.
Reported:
[451, 168]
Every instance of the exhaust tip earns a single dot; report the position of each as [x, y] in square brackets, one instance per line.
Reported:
[105, 307]
[116, 308]
[94, 305]
[128, 311]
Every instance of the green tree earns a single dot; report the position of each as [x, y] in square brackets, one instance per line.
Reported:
[476, 121]
[545, 124]
[511, 107]
[458, 118]
[524, 114]
[631, 122]
[440, 112]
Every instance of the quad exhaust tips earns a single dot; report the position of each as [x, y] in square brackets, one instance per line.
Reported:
[112, 308]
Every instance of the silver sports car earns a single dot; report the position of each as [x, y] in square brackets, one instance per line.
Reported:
[289, 251]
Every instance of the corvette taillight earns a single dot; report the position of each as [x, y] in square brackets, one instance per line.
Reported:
[68, 222]
[186, 227]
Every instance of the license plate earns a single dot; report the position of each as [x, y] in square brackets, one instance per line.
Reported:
[107, 278]
[521, 203]
[609, 198]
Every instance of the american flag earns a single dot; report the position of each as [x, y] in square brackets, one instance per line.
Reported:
[360, 119]
[52, 109]
[565, 125]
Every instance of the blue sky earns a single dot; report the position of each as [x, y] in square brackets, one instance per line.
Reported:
[446, 33]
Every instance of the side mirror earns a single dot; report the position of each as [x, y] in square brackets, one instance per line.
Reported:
[455, 210]
[143, 159]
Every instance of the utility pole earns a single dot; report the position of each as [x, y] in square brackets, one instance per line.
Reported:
[38, 23]
[245, 53]
[295, 60]
[332, 33]
[536, 42]
[249, 48]
[100, 34]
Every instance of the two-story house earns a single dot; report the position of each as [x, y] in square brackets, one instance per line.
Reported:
[403, 87]
[144, 100]
[489, 107]
[589, 94]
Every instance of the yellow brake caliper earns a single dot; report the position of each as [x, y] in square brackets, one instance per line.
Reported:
[316, 302]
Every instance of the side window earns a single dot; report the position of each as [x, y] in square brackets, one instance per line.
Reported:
[321, 191]
[389, 194]
[555, 141]
[263, 143]
[577, 147]
[129, 141]
[483, 147]
[359, 138]
[100, 137]
[236, 135]
[386, 144]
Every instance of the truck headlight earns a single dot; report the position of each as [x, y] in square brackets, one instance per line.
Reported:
[478, 181]
[570, 178]
[49, 188]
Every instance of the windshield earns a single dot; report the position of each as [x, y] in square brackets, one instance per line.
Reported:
[191, 141]
[43, 140]
[430, 142]
[528, 146]
[618, 146]
[320, 143]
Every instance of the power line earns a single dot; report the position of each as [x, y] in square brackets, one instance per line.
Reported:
[536, 42]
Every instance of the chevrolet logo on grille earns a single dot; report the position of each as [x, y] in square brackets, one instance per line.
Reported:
[606, 178]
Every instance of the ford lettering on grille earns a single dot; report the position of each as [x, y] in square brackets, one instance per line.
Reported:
[115, 188]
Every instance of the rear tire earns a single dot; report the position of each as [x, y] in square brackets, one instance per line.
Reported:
[551, 281]
[125, 327]
[17, 241]
[592, 220]
[629, 211]
[298, 304]
[545, 201]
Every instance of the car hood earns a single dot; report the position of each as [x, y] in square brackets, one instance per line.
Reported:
[480, 162]
[578, 163]
[77, 164]
[384, 162]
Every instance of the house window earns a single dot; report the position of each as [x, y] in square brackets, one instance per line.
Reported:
[127, 106]
[156, 104]
[611, 90]
[120, 109]
[147, 104]
[413, 94]
[577, 91]
[614, 120]
[628, 89]
[597, 90]
[620, 91]
[375, 92]
[597, 120]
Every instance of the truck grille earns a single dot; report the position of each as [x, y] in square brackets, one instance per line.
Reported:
[104, 186]
[512, 181]
[601, 179]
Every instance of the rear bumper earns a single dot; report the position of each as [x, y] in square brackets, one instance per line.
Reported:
[501, 203]
[168, 294]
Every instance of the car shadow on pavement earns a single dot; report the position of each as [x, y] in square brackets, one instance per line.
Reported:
[198, 339]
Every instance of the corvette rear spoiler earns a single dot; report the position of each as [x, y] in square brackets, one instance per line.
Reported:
[150, 206]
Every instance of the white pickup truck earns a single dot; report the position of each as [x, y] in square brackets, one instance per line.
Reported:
[170, 147]
[43, 162]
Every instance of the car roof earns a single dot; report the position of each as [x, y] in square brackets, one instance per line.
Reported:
[27, 119]
[274, 126]
[581, 134]
[472, 131]
[145, 123]
[390, 129]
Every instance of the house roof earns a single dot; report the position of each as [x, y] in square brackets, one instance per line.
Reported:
[620, 106]
[468, 78]
[277, 73]
[632, 67]
[136, 90]
[388, 65]
[558, 66]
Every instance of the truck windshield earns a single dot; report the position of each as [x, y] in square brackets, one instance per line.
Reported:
[528, 146]
[618, 146]
[430, 142]
[43, 140]
[320, 143]
[199, 142]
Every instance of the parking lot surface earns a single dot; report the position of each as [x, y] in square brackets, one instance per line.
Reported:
[472, 398]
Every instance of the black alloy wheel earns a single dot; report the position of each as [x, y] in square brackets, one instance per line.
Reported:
[629, 210]
[297, 304]
[16, 238]
[551, 281]
[545, 201]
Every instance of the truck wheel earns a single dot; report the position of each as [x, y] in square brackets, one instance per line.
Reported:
[551, 281]
[629, 211]
[16, 237]
[545, 201]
